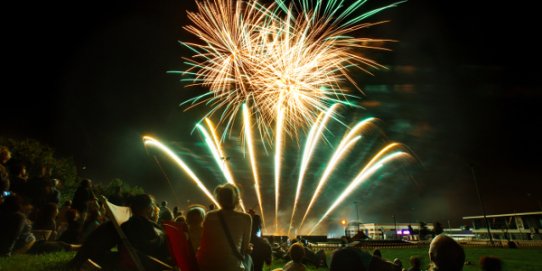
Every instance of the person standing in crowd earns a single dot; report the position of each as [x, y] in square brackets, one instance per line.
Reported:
[165, 213]
[82, 196]
[262, 252]
[19, 179]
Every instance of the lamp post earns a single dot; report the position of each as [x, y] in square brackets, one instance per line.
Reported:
[395, 227]
[481, 204]
[357, 211]
[343, 222]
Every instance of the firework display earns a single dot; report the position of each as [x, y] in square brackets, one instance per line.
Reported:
[284, 69]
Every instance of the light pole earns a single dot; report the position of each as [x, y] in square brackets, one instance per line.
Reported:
[395, 227]
[481, 204]
[343, 222]
[357, 211]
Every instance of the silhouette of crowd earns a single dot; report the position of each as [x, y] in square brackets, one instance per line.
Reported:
[217, 238]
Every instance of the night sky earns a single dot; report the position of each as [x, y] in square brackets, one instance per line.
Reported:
[89, 79]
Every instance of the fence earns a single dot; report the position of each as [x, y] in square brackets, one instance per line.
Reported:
[328, 246]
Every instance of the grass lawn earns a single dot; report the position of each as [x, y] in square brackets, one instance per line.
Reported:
[514, 259]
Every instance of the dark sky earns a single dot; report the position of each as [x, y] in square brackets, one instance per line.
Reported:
[89, 78]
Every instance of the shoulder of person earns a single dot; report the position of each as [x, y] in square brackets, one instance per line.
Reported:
[211, 214]
[245, 216]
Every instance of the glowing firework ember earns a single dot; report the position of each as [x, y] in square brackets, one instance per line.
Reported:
[293, 59]
[347, 145]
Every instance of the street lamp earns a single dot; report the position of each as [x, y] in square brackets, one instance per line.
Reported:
[481, 204]
[343, 222]
[395, 226]
[357, 211]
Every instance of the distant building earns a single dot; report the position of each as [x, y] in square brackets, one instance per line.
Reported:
[390, 231]
[460, 234]
[514, 226]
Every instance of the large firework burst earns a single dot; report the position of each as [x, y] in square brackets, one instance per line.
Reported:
[287, 62]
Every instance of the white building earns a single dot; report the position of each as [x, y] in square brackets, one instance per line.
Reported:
[514, 226]
[389, 231]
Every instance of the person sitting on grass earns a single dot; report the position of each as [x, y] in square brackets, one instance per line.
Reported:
[194, 219]
[144, 234]
[16, 229]
[296, 253]
[415, 263]
[216, 251]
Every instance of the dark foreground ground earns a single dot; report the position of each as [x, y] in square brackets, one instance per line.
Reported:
[514, 259]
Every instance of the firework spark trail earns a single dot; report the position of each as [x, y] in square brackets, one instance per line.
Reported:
[310, 145]
[153, 142]
[346, 143]
[216, 149]
[365, 174]
[278, 154]
[252, 156]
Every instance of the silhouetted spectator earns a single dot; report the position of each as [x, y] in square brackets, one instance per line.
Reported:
[180, 220]
[415, 263]
[19, 180]
[72, 234]
[46, 219]
[261, 251]
[117, 198]
[215, 252]
[17, 233]
[446, 254]
[297, 253]
[165, 213]
[411, 232]
[488, 263]
[377, 253]
[36, 186]
[398, 262]
[16, 229]
[52, 192]
[317, 259]
[194, 220]
[176, 212]
[61, 220]
[98, 247]
[142, 232]
[82, 196]
[92, 220]
[5, 155]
